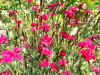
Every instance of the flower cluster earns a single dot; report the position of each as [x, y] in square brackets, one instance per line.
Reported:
[87, 49]
[70, 12]
[8, 56]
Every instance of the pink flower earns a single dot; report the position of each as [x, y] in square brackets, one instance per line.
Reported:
[1, 60]
[66, 72]
[45, 27]
[87, 54]
[8, 56]
[5, 73]
[32, 29]
[35, 7]
[91, 46]
[88, 11]
[69, 13]
[81, 44]
[53, 65]
[53, 69]
[62, 53]
[50, 13]
[10, 12]
[86, 44]
[18, 21]
[44, 16]
[52, 5]
[61, 4]
[18, 57]
[95, 36]
[73, 8]
[30, 1]
[46, 40]
[46, 52]
[33, 24]
[62, 62]
[73, 37]
[95, 69]
[44, 63]
[16, 50]
[88, 41]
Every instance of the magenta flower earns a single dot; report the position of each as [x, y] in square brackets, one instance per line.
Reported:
[30, 1]
[51, 13]
[88, 11]
[45, 27]
[46, 52]
[62, 62]
[18, 57]
[7, 56]
[46, 40]
[69, 13]
[32, 29]
[35, 7]
[73, 8]
[95, 36]
[61, 4]
[87, 54]
[18, 21]
[34, 24]
[89, 44]
[5, 73]
[44, 16]
[44, 63]
[16, 51]
[53, 69]
[53, 65]
[66, 72]
[81, 44]
[1, 60]
[95, 69]
[86, 44]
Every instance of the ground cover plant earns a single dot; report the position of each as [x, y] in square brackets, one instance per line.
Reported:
[49, 37]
